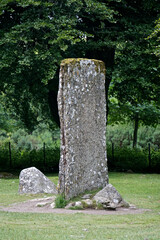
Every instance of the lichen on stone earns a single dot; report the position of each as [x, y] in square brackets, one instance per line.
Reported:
[99, 65]
[82, 111]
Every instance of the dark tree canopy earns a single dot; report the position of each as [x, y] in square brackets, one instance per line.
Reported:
[37, 35]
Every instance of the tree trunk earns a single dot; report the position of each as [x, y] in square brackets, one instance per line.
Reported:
[52, 99]
[136, 121]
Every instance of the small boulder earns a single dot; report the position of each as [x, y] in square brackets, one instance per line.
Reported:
[42, 204]
[75, 205]
[70, 205]
[53, 205]
[87, 203]
[33, 181]
[78, 204]
[86, 196]
[110, 207]
[110, 198]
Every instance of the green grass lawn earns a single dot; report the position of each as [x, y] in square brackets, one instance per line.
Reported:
[143, 190]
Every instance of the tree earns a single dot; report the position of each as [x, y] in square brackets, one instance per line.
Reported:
[135, 80]
[145, 114]
[37, 35]
[31, 45]
[8, 122]
[156, 36]
[136, 83]
[116, 43]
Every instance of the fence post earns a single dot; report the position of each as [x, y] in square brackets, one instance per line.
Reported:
[44, 154]
[112, 152]
[10, 155]
[149, 156]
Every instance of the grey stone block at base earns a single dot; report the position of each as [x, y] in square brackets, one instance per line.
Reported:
[110, 198]
[82, 111]
[33, 181]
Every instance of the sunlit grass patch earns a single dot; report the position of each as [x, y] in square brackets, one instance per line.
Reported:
[141, 190]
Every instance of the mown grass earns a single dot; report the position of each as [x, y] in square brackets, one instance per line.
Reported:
[9, 191]
[140, 189]
[16, 226]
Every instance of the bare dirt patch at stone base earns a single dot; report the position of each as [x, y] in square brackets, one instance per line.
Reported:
[31, 207]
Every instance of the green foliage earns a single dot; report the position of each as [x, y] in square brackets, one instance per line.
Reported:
[135, 86]
[20, 139]
[8, 122]
[60, 202]
[4, 157]
[134, 94]
[120, 112]
[121, 156]
[100, 206]
[35, 37]
[155, 35]
[128, 159]
[155, 161]
[28, 149]
[24, 158]
[122, 136]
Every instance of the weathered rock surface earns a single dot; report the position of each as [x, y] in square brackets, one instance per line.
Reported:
[78, 204]
[110, 198]
[42, 204]
[33, 181]
[88, 203]
[53, 205]
[86, 196]
[82, 111]
[70, 205]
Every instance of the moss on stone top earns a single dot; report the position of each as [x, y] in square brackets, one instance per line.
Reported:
[76, 61]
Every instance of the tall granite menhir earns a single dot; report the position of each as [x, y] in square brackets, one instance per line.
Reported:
[82, 111]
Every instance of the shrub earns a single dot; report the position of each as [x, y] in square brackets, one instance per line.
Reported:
[60, 201]
[4, 157]
[155, 161]
[122, 135]
[23, 158]
[127, 159]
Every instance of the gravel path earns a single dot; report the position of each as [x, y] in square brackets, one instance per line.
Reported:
[45, 207]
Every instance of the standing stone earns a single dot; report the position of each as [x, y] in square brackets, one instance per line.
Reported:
[82, 111]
